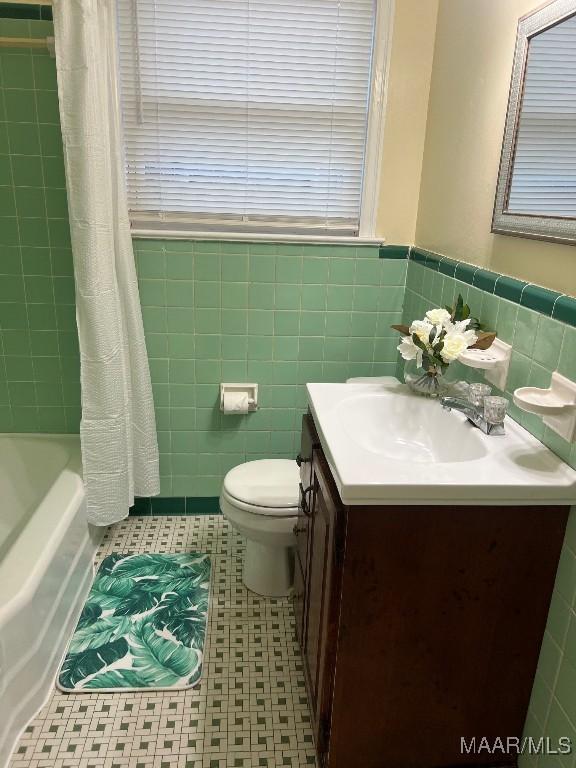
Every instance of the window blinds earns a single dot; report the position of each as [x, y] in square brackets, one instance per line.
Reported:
[544, 176]
[246, 114]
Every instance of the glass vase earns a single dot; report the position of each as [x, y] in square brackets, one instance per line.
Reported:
[428, 382]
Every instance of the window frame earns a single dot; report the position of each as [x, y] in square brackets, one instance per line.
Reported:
[538, 227]
[371, 177]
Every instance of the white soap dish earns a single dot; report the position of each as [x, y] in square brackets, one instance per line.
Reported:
[557, 405]
[495, 361]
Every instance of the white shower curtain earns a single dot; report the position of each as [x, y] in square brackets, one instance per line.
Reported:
[117, 431]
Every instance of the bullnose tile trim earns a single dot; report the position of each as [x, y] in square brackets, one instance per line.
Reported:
[543, 300]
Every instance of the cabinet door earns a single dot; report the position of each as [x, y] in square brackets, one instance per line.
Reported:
[298, 599]
[323, 578]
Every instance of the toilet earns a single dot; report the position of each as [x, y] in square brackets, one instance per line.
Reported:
[260, 500]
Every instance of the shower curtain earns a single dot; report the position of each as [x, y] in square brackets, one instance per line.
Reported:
[117, 431]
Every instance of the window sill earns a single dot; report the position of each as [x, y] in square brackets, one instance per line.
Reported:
[269, 237]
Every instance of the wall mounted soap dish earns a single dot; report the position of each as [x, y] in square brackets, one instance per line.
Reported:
[556, 405]
[494, 361]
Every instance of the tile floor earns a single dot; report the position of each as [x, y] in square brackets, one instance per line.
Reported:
[250, 709]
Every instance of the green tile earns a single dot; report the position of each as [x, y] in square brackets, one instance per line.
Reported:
[260, 296]
[286, 323]
[465, 272]
[34, 232]
[287, 297]
[525, 331]
[179, 266]
[340, 297]
[207, 294]
[565, 310]
[292, 269]
[47, 107]
[567, 362]
[313, 297]
[24, 139]
[179, 293]
[341, 271]
[234, 267]
[393, 251]
[30, 201]
[485, 280]
[9, 234]
[549, 338]
[44, 73]
[54, 173]
[20, 106]
[12, 288]
[207, 266]
[27, 171]
[262, 267]
[540, 299]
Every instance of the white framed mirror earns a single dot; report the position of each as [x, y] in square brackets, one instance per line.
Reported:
[536, 190]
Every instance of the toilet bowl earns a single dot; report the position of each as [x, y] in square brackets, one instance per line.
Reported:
[260, 500]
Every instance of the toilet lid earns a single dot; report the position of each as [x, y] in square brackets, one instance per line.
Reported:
[272, 483]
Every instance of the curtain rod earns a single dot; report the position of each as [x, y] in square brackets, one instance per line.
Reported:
[28, 42]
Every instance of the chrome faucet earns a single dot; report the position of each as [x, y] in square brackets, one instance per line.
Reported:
[474, 414]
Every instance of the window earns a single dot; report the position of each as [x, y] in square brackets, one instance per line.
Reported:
[246, 115]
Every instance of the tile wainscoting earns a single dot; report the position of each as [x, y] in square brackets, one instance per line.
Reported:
[276, 314]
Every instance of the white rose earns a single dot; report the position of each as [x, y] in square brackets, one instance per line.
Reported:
[410, 351]
[455, 343]
[438, 316]
[422, 329]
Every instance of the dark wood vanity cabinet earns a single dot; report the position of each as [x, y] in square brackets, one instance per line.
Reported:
[419, 625]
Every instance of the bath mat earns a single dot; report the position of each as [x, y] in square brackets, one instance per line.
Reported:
[142, 627]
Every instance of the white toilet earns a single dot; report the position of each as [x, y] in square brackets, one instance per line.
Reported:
[260, 499]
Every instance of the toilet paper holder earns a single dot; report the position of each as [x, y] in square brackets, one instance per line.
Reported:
[250, 389]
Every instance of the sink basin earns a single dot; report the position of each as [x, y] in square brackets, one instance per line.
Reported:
[386, 445]
[406, 429]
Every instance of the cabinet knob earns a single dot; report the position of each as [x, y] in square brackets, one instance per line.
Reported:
[303, 500]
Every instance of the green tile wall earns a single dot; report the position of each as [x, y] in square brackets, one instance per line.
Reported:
[279, 315]
[39, 364]
[540, 345]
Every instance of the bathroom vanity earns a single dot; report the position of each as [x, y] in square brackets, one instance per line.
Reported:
[420, 621]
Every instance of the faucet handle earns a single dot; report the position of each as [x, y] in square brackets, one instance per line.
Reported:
[495, 409]
[477, 392]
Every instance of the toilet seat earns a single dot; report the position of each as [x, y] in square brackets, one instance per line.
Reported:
[264, 487]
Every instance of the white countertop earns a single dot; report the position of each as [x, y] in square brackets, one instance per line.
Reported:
[387, 445]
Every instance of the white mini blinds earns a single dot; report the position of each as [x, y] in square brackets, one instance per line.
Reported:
[544, 175]
[247, 115]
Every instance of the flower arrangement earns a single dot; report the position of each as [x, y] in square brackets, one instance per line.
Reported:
[437, 340]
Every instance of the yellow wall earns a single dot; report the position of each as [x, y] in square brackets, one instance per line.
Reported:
[405, 123]
[471, 71]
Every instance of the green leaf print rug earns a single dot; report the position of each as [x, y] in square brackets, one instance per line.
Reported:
[142, 627]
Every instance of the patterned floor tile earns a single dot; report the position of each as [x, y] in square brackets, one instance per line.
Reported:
[250, 709]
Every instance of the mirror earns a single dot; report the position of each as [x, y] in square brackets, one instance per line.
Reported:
[536, 191]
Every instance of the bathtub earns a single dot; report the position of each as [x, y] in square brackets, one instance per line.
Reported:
[46, 554]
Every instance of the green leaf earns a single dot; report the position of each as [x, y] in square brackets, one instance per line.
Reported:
[432, 335]
[90, 613]
[139, 600]
[115, 678]
[107, 565]
[420, 344]
[152, 565]
[159, 661]
[100, 633]
[184, 616]
[108, 591]
[465, 312]
[78, 666]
